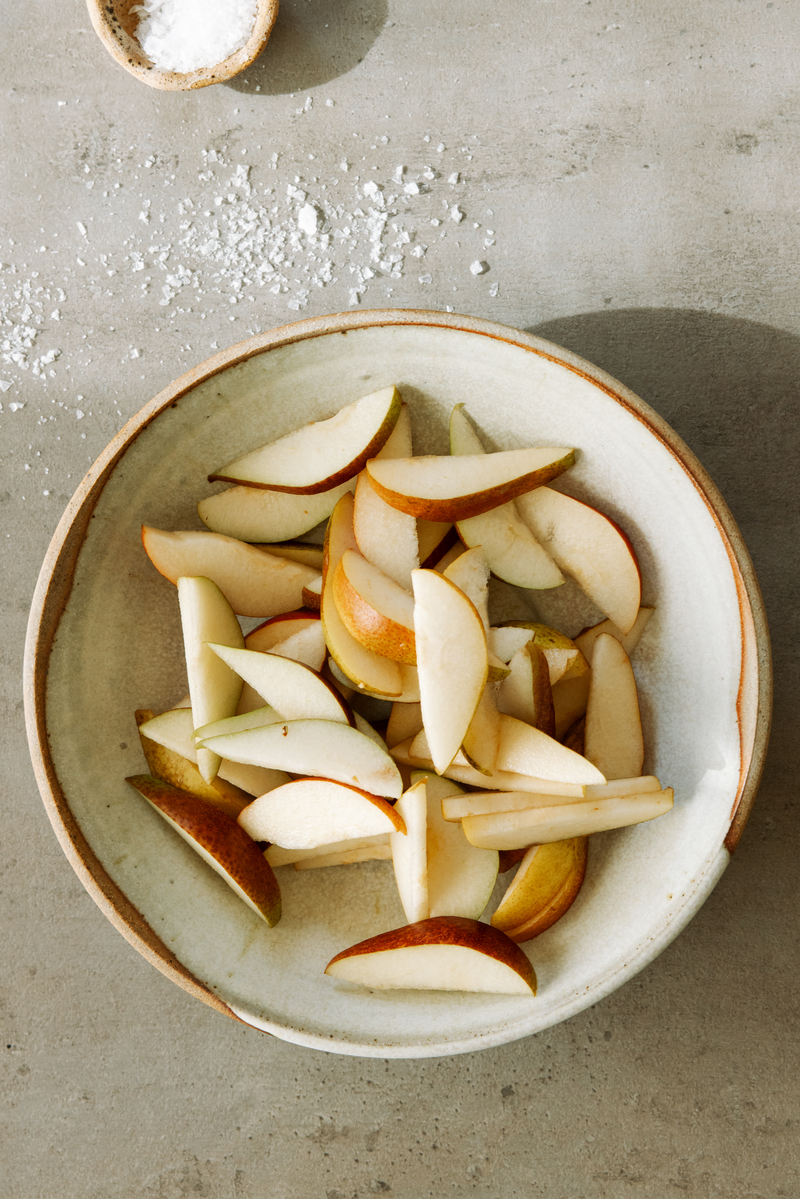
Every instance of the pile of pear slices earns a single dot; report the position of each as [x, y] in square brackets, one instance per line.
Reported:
[505, 744]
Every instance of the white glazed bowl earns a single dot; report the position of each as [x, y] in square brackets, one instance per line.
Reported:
[104, 639]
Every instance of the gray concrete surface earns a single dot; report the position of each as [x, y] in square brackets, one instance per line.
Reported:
[640, 163]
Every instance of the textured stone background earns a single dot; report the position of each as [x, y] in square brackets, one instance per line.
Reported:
[641, 165]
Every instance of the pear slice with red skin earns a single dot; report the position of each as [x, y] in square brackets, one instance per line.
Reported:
[447, 488]
[613, 739]
[321, 455]
[312, 594]
[409, 852]
[539, 825]
[293, 689]
[367, 670]
[219, 840]
[253, 582]
[588, 546]
[452, 662]
[252, 514]
[543, 889]
[278, 628]
[444, 953]
[178, 771]
[374, 608]
[385, 536]
[307, 813]
[322, 748]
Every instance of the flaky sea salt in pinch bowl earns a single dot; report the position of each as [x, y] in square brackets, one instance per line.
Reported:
[178, 45]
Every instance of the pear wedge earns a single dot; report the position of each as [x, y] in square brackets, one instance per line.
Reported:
[543, 889]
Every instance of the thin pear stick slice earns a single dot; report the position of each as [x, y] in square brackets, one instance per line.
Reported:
[213, 687]
[484, 803]
[321, 455]
[588, 546]
[447, 488]
[526, 693]
[528, 751]
[219, 840]
[470, 572]
[614, 739]
[374, 608]
[409, 853]
[252, 514]
[293, 689]
[538, 826]
[254, 583]
[362, 667]
[452, 662]
[511, 550]
[347, 857]
[500, 780]
[307, 813]
[444, 953]
[386, 537]
[322, 748]
[543, 889]
[278, 855]
[461, 878]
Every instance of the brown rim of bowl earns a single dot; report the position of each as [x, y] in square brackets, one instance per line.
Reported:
[115, 25]
[58, 569]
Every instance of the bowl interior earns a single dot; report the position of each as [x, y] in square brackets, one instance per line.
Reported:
[118, 647]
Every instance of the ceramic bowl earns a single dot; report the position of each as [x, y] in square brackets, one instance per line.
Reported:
[104, 639]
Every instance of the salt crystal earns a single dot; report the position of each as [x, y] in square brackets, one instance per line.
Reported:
[456, 214]
[79, 414]
[453, 178]
[307, 219]
[185, 35]
[478, 268]
[15, 407]
[4, 385]
[411, 189]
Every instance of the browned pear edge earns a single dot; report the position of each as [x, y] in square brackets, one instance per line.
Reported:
[347, 472]
[227, 841]
[367, 625]
[475, 504]
[448, 930]
[559, 904]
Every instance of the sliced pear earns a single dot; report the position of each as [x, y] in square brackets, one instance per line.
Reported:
[374, 608]
[434, 538]
[178, 771]
[307, 813]
[277, 855]
[482, 738]
[499, 780]
[461, 878]
[409, 853]
[485, 803]
[588, 546]
[219, 840]
[213, 687]
[253, 582]
[569, 701]
[470, 572]
[306, 646]
[512, 830]
[347, 857]
[293, 689]
[452, 662]
[386, 537]
[252, 514]
[585, 640]
[367, 670]
[445, 953]
[446, 488]
[564, 657]
[526, 694]
[278, 628]
[321, 455]
[311, 594]
[295, 551]
[613, 738]
[543, 889]
[322, 748]
[405, 721]
[526, 750]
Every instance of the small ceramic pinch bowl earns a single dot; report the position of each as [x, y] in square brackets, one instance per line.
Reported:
[115, 24]
[104, 639]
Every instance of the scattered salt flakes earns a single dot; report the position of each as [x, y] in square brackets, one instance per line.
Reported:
[440, 148]
[55, 315]
[82, 229]
[426, 138]
[494, 290]
[454, 178]
[79, 414]
[45, 493]
[61, 103]
[456, 214]
[435, 220]
[425, 278]
[411, 189]
[186, 35]
[344, 165]
[145, 217]
[418, 251]
[134, 353]
[307, 219]
[14, 406]
[478, 268]
[329, 103]
[4, 385]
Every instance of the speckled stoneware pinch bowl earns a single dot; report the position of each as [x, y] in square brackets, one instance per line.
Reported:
[104, 639]
[115, 25]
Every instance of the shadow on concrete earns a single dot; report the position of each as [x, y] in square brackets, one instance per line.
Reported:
[313, 42]
[731, 389]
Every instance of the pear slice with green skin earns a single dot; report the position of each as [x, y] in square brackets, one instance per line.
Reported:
[537, 826]
[409, 852]
[292, 688]
[564, 657]
[321, 455]
[366, 670]
[307, 813]
[178, 771]
[543, 889]
[444, 953]
[375, 609]
[613, 739]
[213, 687]
[452, 662]
[255, 515]
[322, 748]
[590, 547]
[461, 878]
[445, 488]
[220, 841]
[255, 583]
